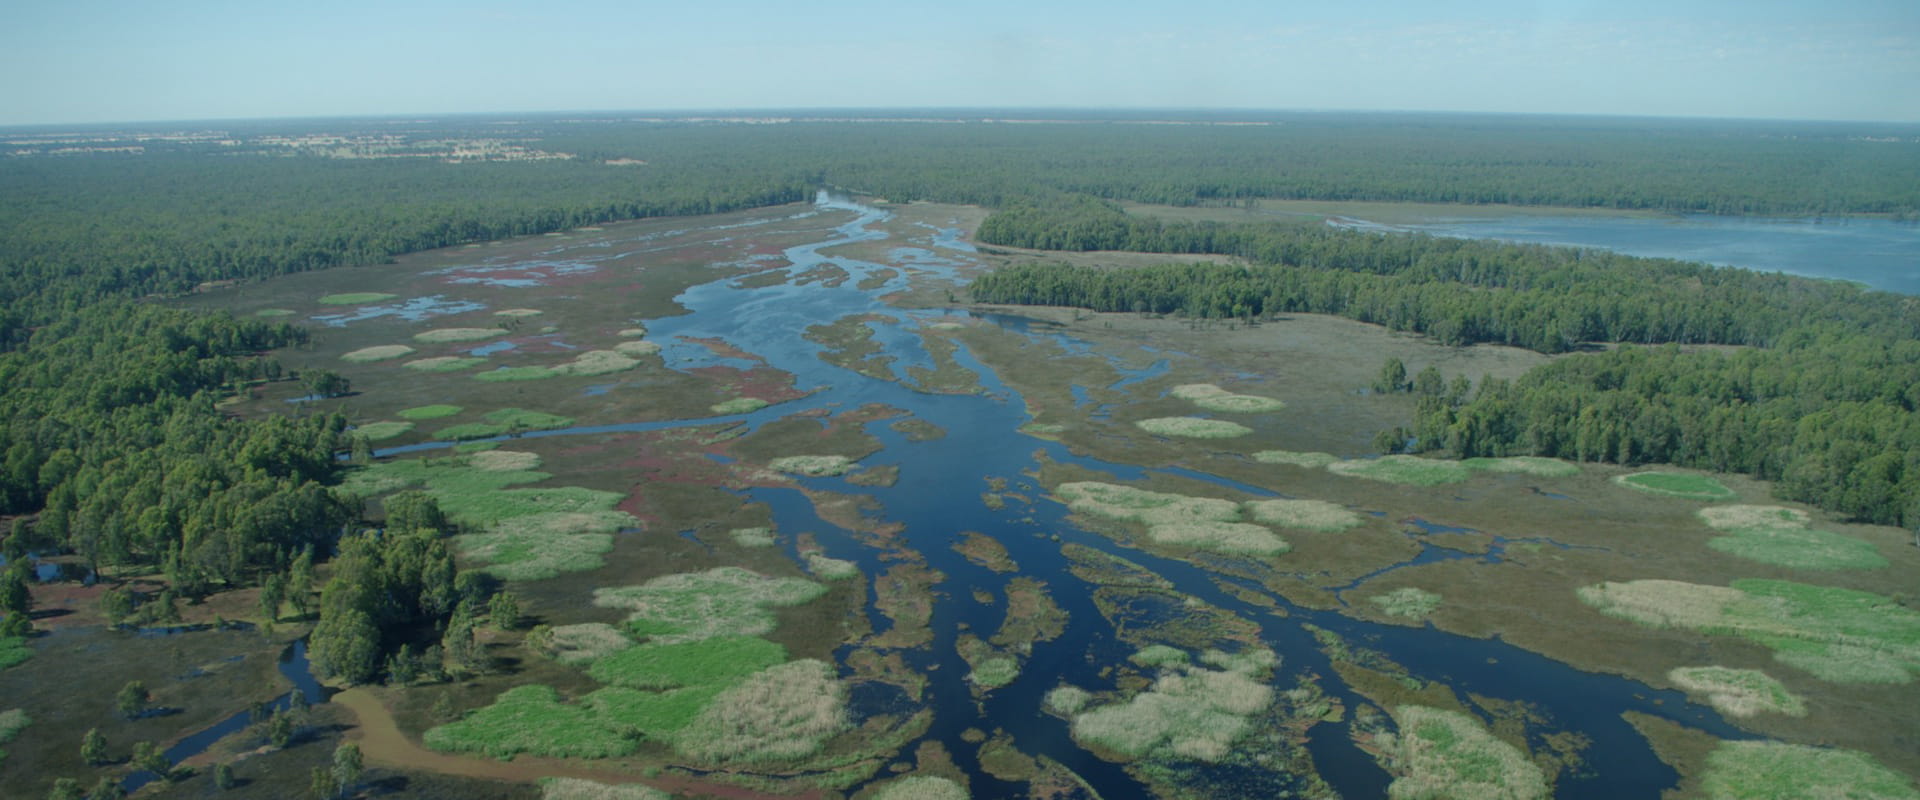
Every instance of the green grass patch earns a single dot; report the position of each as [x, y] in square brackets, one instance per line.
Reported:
[444, 335]
[738, 405]
[598, 362]
[654, 715]
[1526, 465]
[1192, 427]
[720, 660]
[831, 569]
[527, 420]
[584, 643]
[636, 349]
[815, 466]
[1782, 537]
[531, 719]
[355, 298]
[922, 787]
[14, 651]
[1839, 635]
[724, 601]
[752, 537]
[518, 312]
[444, 364]
[1439, 753]
[1236, 538]
[1160, 655]
[1214, 398]
[508, 374]
[469, 430]
[379, 352]
[1776, 771]
[582, 789]
[517, 557]
[1410, 470]
[1308, 460]
[435, 411]
[1199, 522]
[1739, 692]
[1407, 601]
[1068, 699]
[378, 431]
[1312, 515]
[274, 312]
[1676, 484]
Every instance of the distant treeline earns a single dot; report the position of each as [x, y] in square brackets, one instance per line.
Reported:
[1824, 404]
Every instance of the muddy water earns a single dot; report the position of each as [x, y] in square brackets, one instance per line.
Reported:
[938, 496]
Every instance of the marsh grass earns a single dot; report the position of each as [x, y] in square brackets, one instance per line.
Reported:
[738, 405]
[724, 601]
[1782, 536]
[585, 643]
[1298, 459]
[1160, 655]
[531, 719]
[1312, 515]
[1526, 465]
[1192, 714]
[1777, 771]
[1439, 753]
[469, 430]
[1676, 484]
[1214, 398]
[379, 352]
[1407, 601]
[655, 715]
[528, 420]
[597, 362]
[444, 335]
[1745, 517]
[581, 789]
[1410, 470]
[633, 332]
[1237, 538]
[355, 298]
[1198, 522]
[444, 364]
[12, 722]
[782, 713]
[518, 312]
[995, 672]
[636, 349]
[922, 787]
[436, 411]
[274, 312]
[512, 374]
[831, 569]
[14, 651]
[1068, 699]
[1839, 635]
[721, 660]
[815, 466]
[378, 431]
[515, 557]
[752, 537]
[1739, 692]
[1192, 427]
[503, 460]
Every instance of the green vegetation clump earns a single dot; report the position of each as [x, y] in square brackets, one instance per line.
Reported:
[444, 335]
[444, 364]
[494, 460]
[1192, 427]
[12, 722]
[922, 787]
[1312, 515]
[636, 349]
[812, 466]
[1777, 771]
[377, 431]
[379, 352]
[1526, 465]
[531, 719]
[1739, 692]
[469, 430]
[723, 601]
[585, 643]
[1237, 538]
[738, 405]
[995, 672]
[782, 713]
[355, 298]
[1198, 522]
[1840, 635]
[1214, 398]
[274, 312]
[518, 312]
[719, 660]
[503, 422]
[1160, 655]
[1676, 484]
[581, 789]
[518, 557]
[832, 569]
[1188, 713]
[752, 537]
[1407, 601]
[1440, 753]
[1068, 699]
[1298, 459]
[598, 362]
[1782, 537]
[435, 411]
[1411, 470]
[510, 374]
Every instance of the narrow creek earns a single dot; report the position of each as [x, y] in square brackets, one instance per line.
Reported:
[937, 497]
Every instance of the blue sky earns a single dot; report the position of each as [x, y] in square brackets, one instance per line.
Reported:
[75, 61]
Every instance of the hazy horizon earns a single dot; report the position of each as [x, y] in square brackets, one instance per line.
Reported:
[117, 62]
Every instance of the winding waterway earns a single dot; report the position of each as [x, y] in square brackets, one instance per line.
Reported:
[937, 497]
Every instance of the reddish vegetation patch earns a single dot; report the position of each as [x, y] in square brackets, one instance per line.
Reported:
[766, 383]
[722, 348]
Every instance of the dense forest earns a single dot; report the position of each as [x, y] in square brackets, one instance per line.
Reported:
[112, 445]
[1823, 401]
